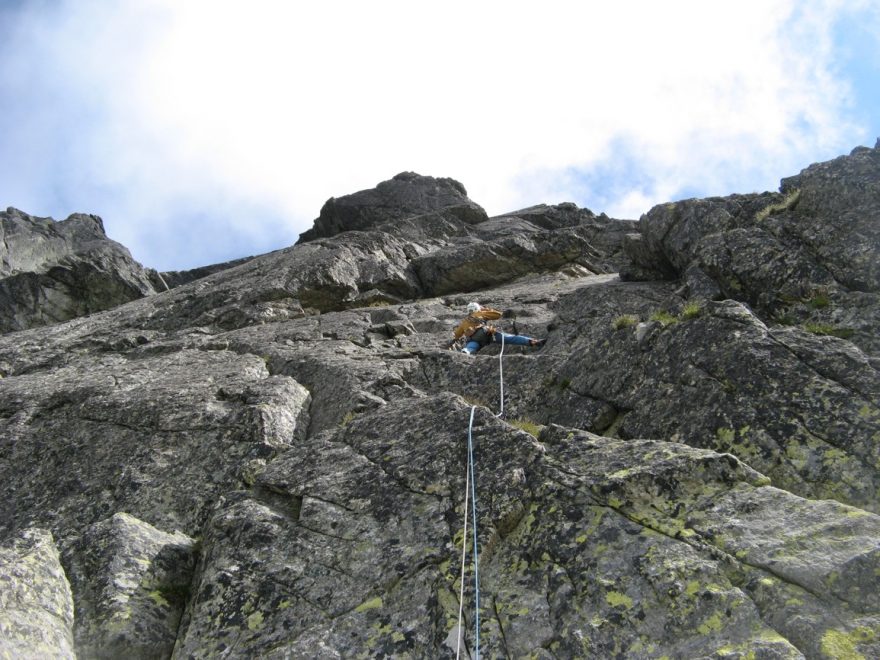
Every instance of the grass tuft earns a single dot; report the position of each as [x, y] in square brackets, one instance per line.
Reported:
[664, 318]
[691, 310]
[473, 401]
[826, 329]
[625, 321]
[786, 204]
[527, 425]
[820, 299]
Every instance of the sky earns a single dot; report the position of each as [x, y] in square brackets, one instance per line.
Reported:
[207, 130]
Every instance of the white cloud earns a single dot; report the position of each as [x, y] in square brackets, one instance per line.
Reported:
[276, 106]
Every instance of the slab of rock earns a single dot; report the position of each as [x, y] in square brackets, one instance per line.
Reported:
[175, 278]
[491, 263]
[743, 569]
[160, 437]
[841, 198]
[799, 408]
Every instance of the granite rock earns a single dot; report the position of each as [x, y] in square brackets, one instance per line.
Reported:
[270, 460]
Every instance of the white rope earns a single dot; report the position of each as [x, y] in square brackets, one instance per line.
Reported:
[162, 280]
[476, 544]
[501, 375]
[471, 485]
[467, 486]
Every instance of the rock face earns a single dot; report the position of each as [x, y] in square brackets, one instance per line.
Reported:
[270, 461]
[805, 255]
[55, 271]
[185, 424]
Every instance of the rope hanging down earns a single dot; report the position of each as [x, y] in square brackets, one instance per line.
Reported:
[470, 492]
[467, 487]
[501, 375]
[474, 527]
[470, 488]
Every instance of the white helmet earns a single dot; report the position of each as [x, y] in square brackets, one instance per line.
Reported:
[473, 307]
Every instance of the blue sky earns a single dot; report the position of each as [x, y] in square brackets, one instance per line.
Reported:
[207, 130]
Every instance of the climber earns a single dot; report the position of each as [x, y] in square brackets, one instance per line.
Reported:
[476, 333]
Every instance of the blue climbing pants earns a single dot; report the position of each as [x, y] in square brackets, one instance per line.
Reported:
[517, 340]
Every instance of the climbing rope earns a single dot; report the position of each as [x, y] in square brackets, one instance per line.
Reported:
[467, 486]
[501, 375]
[470, 490]
[474, 526]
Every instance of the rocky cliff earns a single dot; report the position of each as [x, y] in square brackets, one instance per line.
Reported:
[54, 271]
[270, 460]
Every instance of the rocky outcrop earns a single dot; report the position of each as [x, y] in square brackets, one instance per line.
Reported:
[842, 197]
[361, 268]
[270, 461]
[410, 237]
[630, 360]
[36, 609]
[803, 256]
[55, 271]
[406, 195]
